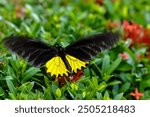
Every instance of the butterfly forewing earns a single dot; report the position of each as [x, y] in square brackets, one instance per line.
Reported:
[36, 52]
[89, 47]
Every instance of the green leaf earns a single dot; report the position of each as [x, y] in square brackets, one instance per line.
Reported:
[102, 86]
[99, 96]
[10, 71]
[12, 26]
[124, 67]
[14, 65]
[2, 92]
[90, 94]
[114, 65]
[133, 56]
[78, 97]
[10, 85]
[94, 82]
[98, 68]
[125, 87]
[29, 73]
[74, 86]
[26, 87]
[47, 81]
[105, 64]
[107, 77]
[118, 97]
[114, 83]
[12, 96]
[109, 6]
[54, 87]
[48, 94]
[106, 96]
[71, 93]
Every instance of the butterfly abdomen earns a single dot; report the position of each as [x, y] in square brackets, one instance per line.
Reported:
[62, 53]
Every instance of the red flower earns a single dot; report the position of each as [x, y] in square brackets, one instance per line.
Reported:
[139, 56]
[124, 56]
[136, 33]
[78, 75]
[132, 31]
[137, 94]
[75, 77]
[20, 11]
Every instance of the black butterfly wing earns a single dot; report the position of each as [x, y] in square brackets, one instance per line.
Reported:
[36, 52]
[77, 54]
[89, 47]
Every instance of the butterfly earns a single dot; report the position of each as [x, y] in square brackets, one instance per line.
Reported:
[61, 62]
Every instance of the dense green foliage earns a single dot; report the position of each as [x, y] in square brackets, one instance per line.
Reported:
[63, 22]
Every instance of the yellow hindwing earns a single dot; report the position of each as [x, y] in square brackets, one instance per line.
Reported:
[75, 63]
[56, 66]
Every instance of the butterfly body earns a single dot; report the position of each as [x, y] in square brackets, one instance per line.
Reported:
[61, 62]
[61, 52]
